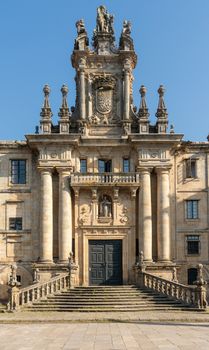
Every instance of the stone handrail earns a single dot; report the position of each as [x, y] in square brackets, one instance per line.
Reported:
[26, 296]
[104, 178]
[194, 296]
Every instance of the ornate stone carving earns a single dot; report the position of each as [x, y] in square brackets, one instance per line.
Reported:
[104, 21]
[124, 215]
[105, 207]
[126, 27]
[104, 100]
[84, 215]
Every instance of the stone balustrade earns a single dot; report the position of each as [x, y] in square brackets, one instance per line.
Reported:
[26, 296]
[193, 296]
[101, 179]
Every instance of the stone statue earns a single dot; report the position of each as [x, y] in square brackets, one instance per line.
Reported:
[80, 27]
[36, 275]
[104, 20]
[126, 27]
[105, 207]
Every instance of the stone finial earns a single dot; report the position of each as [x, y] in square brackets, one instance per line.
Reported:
[172, 129]
[161, 114]
[64, 91]
[64, 113]
[143, 110]
[46, 112]
[143, 113]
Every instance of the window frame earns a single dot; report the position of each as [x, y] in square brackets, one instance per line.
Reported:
[15, 224]
[83, 160]
[192, 209]
[16, 172]
[191, 239]
[106, 161]
[124, 166]
[190, 168]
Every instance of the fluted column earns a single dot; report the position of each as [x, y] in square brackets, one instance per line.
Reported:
[145, 219]
[65, 216]
[46, 217]
[163, 214]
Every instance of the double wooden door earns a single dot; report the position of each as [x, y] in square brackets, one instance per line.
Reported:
[105, 262]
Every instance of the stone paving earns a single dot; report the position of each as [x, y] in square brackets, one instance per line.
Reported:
[68, 317]
[104, 336]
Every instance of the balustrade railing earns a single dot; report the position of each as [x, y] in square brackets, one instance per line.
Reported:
[194, 296]
[104, 178]
[28, 295]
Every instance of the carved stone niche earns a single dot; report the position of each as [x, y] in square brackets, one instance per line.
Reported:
[104, 100]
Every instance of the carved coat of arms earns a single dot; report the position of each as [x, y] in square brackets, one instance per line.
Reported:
[104, 100]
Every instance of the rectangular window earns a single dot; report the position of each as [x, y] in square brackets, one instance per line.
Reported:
[126, 165]
[105, 166]
[192, 209]
[191, 168]
[83, 166]
[15, 224]
[18, 171]
[193, 244]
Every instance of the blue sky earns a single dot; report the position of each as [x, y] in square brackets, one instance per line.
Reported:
[171, 40]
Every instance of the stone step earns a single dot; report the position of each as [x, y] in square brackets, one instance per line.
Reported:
[111, 309]
[106, 299]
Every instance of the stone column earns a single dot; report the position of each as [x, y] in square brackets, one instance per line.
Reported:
[126, 94]
[82, 95]
[65, 216]
[145, 207]
[163, 214]
[46, 217]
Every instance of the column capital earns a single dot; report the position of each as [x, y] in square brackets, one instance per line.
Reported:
[64, 170]
[162, 169]
[47, 169]
[144, 169]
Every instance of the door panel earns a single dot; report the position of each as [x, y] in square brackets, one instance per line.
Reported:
[105, 262]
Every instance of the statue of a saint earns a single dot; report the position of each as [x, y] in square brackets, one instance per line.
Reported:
[126, 27]
[80, 27]
[105, 207]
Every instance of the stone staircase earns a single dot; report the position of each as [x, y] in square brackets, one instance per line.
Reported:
[107, 299]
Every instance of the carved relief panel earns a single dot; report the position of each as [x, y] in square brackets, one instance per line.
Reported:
[104, 100]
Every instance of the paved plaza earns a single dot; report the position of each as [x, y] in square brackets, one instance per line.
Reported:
[93, 336]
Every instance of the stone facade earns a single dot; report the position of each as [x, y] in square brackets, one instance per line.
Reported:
[104, 173]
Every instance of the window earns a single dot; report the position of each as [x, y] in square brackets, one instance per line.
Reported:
[18, 171]
[105, 166]
[193, 244]
[83, 166]
[15, 224]
[192, 209]
[192, 275]
[19, 278]
[191, 168]
[126, 165]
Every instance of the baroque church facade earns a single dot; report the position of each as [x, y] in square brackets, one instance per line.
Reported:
[104, 185]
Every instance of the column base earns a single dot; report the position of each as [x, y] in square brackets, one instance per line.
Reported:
[45, 262]
[63, 262]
